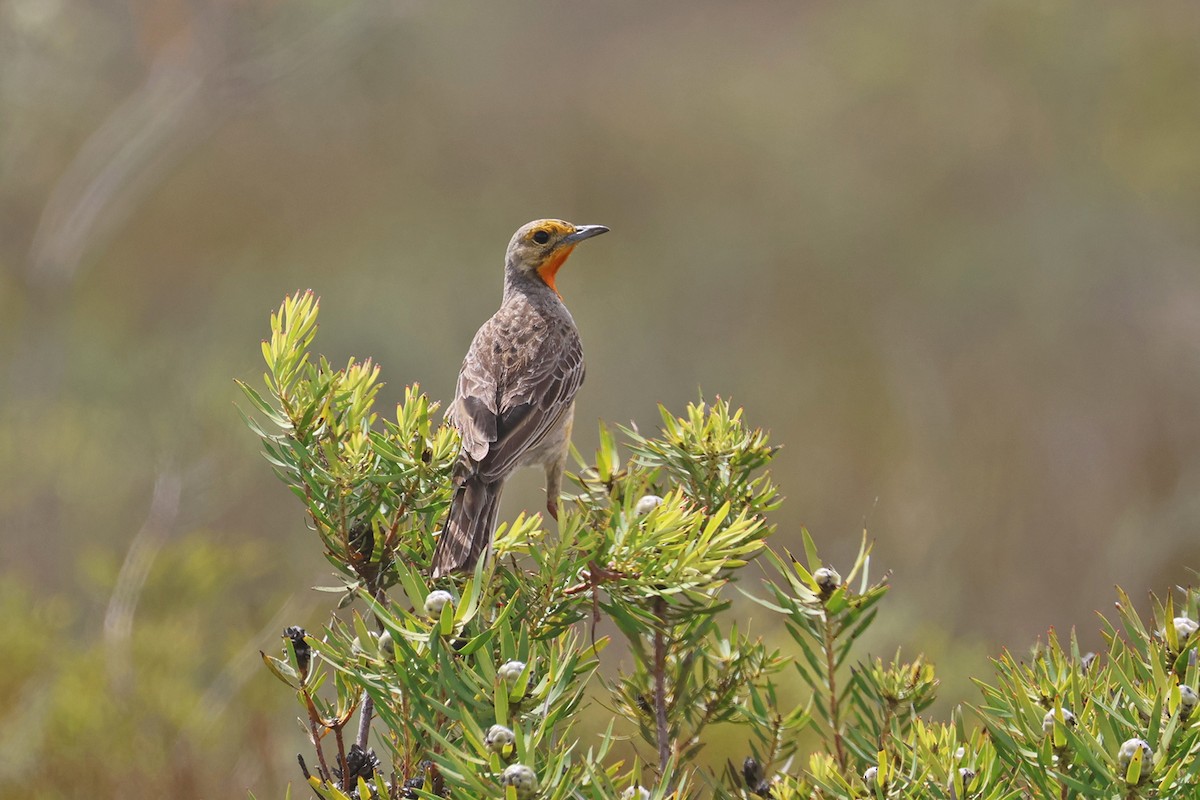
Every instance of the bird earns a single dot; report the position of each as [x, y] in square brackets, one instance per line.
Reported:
[514, 403]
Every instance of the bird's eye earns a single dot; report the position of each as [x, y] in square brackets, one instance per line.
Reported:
[541, 237]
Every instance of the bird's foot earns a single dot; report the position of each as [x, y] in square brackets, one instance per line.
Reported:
[552, 507]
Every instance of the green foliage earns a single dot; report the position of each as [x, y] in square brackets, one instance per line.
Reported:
[649, 542]
[141, 706]
[1065, 720]
[480, 686]
[372, 493]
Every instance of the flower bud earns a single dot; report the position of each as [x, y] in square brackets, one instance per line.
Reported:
[870, 776]
[1126, 753]
[636, 793]
[1185, 628]
[647, 504]
[510, 671]
[827, 579]
[387, 647]
[435, 601]
[1048, 720]
[1188, 697]
[498, 738]
[522, 777]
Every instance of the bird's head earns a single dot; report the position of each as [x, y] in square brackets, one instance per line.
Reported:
[540, 247]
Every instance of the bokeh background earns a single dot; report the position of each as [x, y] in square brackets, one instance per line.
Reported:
[949, 254]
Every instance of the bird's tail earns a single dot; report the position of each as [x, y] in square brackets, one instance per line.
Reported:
[470, 524]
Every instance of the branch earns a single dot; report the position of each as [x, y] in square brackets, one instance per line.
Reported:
[368, 707]
[831, 668]
[314, 720]
[660, 684]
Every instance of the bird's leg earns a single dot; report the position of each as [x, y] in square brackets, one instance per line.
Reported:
[554, 472]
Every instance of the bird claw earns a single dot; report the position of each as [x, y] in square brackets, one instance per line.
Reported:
[552, 507]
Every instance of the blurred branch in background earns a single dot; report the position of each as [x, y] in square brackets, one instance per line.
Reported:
[245, 664]
[125, 159]
[192, 86]
[118, 620]
[212, 69]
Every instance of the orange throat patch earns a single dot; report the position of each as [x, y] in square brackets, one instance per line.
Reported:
[548, 270]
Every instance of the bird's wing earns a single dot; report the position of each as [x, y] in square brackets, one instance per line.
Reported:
[536, 403]
[500, 423]
[475, 408]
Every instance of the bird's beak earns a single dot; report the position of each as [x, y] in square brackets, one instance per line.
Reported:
[583, 232]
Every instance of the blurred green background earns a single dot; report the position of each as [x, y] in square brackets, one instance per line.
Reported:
[949, 254]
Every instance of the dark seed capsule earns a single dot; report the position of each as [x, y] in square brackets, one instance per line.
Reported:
[751, 772]
[303, 651]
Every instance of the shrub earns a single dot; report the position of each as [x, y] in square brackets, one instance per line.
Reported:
[476, 686]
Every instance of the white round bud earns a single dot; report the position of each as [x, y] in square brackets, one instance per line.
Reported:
[510, 671]
[1187, 697]
[1185, 628]
[827, 579]
[435, 601]
[1048, 720]
[636, 793]
[1131, 746]
[647, 504]
[387, 647]
[498, 738]
[522, 778]
[870, 776]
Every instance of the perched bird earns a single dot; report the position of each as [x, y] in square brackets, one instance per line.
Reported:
[515, 400]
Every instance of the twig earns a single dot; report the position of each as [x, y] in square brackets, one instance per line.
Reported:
[364, 723]
[314, 720]
[337, 725]
[831, 668]
[368, 707]
[725, 688]
[660, 684]
[341, 743]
